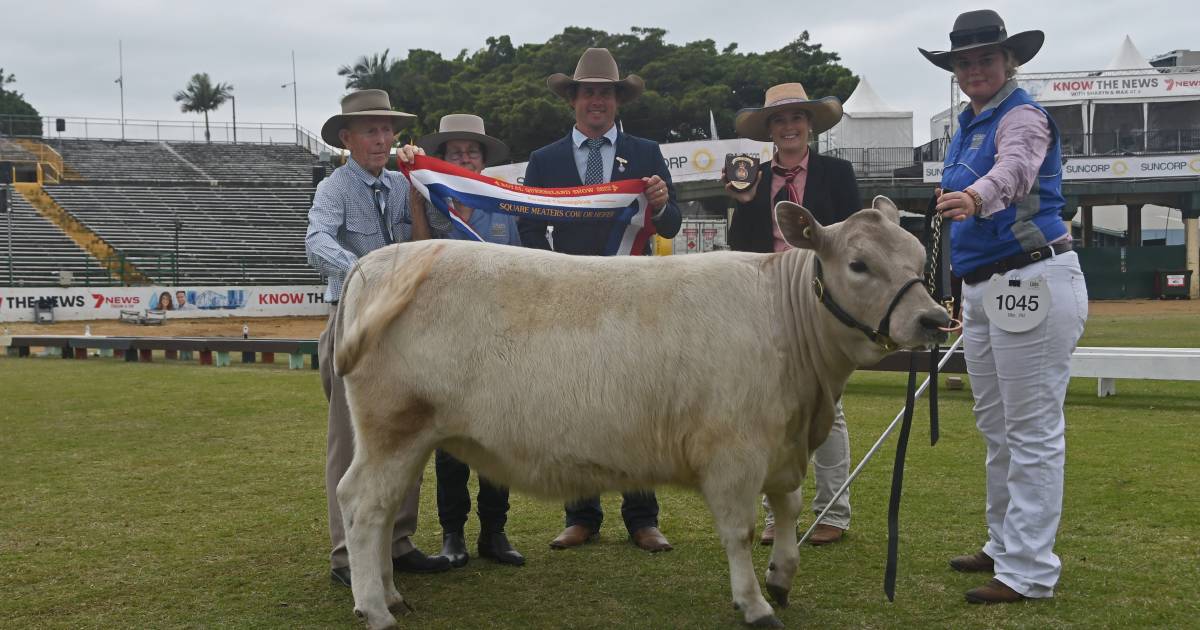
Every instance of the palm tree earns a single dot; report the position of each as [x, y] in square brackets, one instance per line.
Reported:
[200, 95]
[368, 72]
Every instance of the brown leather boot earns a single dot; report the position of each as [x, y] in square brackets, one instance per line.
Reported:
[650, 539]
[825, 535]
[994, 592]
[977, 562]
[768, 536]
[574, 536]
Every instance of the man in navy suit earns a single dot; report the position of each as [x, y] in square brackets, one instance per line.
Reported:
[595, 152]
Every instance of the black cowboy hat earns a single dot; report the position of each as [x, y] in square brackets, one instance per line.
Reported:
[976, 29]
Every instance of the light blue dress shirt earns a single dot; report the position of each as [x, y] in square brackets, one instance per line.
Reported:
[608, 152]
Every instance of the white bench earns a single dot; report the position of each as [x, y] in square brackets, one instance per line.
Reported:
[1109, 364]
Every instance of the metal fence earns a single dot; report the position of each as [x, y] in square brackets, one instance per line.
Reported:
[877, 161]
[46, 128]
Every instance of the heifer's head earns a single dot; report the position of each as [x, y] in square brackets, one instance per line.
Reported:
[868, 272]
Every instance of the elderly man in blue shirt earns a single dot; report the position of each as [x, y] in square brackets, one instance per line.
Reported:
[359, 208]
[462, 141]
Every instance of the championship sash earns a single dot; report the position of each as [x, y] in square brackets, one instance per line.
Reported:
[622, 204]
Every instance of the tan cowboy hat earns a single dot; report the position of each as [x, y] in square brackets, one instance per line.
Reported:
[362, 104]
[464, 127]
[824, 113]
[976, 29]
[597, 66]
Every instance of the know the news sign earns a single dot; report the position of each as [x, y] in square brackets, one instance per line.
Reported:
[1125, 167]
[1132, 86]
[82, 303]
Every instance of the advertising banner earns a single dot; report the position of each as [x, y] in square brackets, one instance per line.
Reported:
[1131, 86]
[80, 303]
[1120, 167]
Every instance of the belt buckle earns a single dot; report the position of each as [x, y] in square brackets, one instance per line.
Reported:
[1035, 255]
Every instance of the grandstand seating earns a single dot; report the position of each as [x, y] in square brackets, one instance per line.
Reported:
[242, 211]
[275, 163]
[41, 251]
[228, 235]
[122, 161]
[10, 150]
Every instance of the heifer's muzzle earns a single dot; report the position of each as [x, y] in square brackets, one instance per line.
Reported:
[878, 335]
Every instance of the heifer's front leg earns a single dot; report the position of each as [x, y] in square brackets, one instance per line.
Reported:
[785, 557]
[369, 494]
[734, 504]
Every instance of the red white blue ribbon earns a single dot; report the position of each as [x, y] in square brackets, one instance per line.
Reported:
[623, 204]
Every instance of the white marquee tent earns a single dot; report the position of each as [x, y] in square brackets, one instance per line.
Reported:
[870, 123]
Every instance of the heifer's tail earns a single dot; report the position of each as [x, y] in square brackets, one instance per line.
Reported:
[381, 306]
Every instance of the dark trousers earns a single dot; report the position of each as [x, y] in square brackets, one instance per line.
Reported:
[638, 510]
[454, 498]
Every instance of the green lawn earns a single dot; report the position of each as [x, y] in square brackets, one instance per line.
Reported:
[167, 496]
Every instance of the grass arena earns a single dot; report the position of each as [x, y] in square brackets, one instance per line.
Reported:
[168, 494]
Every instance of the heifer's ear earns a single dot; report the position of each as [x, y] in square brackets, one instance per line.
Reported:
[889, 209]
[797, 225]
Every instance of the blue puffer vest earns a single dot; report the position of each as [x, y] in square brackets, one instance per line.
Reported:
[1020, 227]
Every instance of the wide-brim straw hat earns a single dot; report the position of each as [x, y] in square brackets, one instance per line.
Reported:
[977, 29]
[597, 65]
[464, 127]
[363, 104]
[823, 113]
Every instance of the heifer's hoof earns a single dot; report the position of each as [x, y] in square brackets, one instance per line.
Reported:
[767, 621]
[381, 622]
[779, 594]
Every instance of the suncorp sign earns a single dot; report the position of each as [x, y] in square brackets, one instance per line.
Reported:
[1124, 167]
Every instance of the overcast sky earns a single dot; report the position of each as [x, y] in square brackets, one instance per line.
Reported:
[65, 57]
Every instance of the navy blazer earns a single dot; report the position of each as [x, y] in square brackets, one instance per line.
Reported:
[553, 166]
[830, 193]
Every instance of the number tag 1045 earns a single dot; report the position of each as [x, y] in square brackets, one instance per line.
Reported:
[1016, 304]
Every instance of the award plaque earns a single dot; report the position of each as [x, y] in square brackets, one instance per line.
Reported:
[741, 169]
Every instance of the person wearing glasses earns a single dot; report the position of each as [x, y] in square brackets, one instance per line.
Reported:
[462, 141]
[1024, 300]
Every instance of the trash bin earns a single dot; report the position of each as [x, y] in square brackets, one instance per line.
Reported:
[1173, 283]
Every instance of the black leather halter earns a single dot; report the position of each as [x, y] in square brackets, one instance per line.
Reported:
[878, 335]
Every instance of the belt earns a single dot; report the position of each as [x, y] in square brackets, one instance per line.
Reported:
[1024, 259]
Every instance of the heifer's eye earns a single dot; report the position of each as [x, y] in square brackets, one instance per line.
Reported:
[858, 266]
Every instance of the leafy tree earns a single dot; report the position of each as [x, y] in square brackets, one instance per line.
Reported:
[506, 84]
[201, 95]
[17, 117]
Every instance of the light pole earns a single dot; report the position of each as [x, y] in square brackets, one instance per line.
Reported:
[233, 101]
[121, 82]
[295, 100]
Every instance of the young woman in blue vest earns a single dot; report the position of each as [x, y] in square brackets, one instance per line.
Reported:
[1024, 300]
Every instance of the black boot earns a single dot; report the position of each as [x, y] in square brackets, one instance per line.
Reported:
[454, 549]
[495, 546]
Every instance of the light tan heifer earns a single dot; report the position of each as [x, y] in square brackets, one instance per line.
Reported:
[565, 376]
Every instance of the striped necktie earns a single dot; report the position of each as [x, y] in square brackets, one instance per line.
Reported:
[595, 164]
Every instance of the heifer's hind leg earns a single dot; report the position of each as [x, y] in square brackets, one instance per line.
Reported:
[369, 494]
[785, 557]
[733, 499]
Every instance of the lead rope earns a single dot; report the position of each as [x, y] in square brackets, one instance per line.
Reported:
[934, 281]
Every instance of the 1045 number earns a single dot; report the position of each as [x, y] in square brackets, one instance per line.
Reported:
[1009, 302]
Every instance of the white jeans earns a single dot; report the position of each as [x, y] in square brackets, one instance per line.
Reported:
[831, 467]
[1019, 381]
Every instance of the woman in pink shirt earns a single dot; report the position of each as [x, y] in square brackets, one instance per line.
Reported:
[827, 187]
